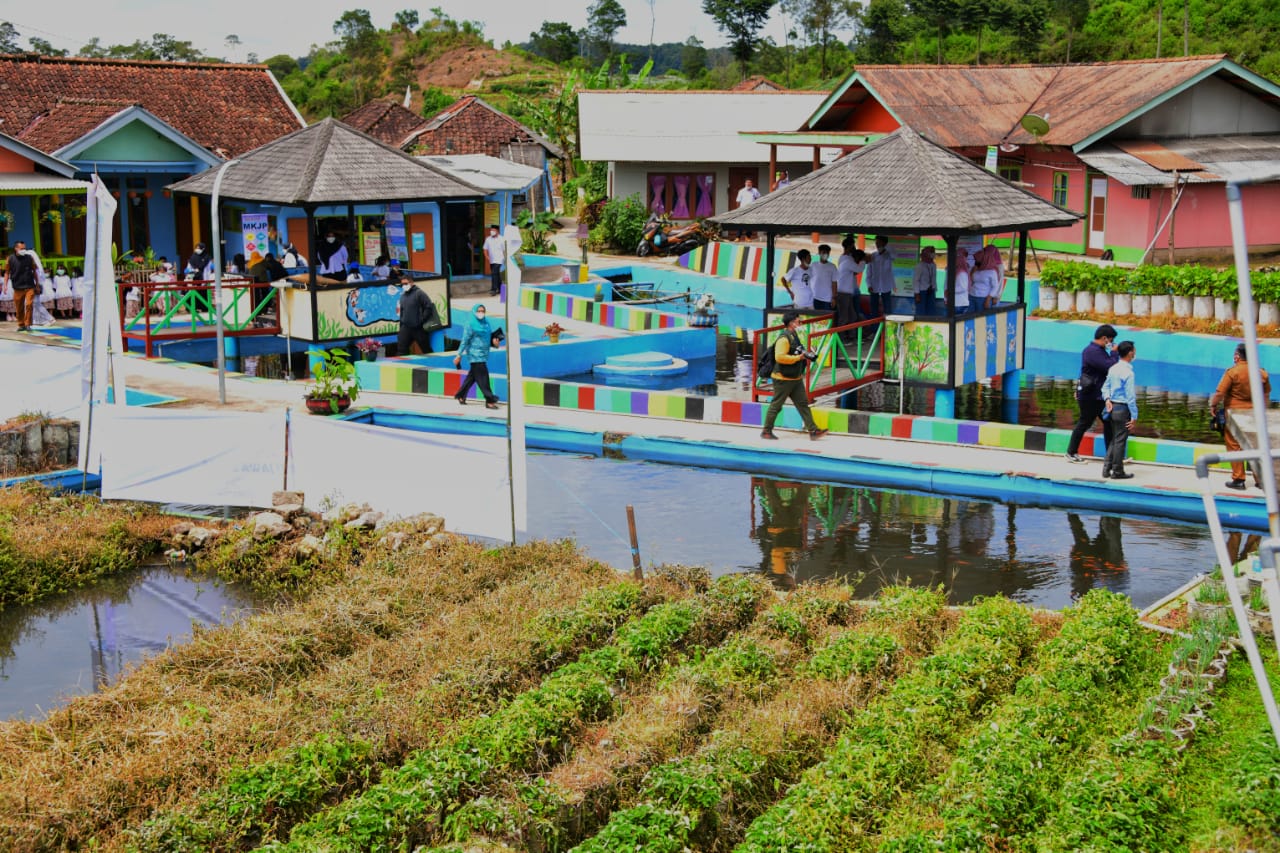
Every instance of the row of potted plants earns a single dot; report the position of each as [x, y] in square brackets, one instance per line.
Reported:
[1147, 290]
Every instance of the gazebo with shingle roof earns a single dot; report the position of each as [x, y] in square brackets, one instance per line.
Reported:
[902, 184]
[330, 163]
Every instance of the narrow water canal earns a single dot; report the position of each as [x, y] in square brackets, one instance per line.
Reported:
[797, 532]
[82, 641]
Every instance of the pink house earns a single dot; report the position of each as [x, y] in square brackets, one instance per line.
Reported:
[1143, 148]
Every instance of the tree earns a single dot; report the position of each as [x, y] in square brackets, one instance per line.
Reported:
[741, 21]
[881, 33]
[604, 19]
[43, 47]
[1071, 14]
[232, 42]
[821, 19]
[407, 20]
[557, 41]
[356, 31]
[281, 65]
[940, 15]
[693, 59]
[9, 39]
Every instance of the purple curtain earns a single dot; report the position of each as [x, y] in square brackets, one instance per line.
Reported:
[657, 193]
[705, 208]
[680, 210]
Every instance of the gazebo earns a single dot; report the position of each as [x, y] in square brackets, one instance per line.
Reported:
[904, 186]
[332, 166]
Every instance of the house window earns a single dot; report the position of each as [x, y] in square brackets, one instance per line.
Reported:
[1060, 189]
[681, 195]
[1140, 192]
[1011, 173]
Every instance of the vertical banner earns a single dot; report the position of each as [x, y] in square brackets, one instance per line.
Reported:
[370, 247]
[396, 243]
[100, 342]
[993, 157]
[492, 214]
[515, 388]
[257, 237]
[905, 252]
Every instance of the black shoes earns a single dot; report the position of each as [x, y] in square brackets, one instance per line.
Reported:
[769, 435]
[1238, 485]
[817, 434]
[491, 405]
[1121, 475]
[1074, 457]
[462, 401]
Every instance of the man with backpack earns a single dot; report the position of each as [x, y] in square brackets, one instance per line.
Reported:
[790, 357]
[23, 272]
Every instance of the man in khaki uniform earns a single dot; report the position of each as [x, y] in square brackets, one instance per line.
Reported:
[1233, 392]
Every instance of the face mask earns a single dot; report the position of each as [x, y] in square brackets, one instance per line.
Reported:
[62, 272]
[329, 239]
[823, 258]
[404, 288]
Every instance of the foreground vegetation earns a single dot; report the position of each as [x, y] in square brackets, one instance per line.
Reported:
[440, 695]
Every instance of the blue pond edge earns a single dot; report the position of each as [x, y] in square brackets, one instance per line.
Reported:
[1022, 489]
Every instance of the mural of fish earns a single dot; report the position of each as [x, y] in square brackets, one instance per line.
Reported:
[369, 305]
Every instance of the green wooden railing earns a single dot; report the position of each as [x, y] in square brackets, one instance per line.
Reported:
[181, 310]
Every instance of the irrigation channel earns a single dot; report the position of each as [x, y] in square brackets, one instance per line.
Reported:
[792, 532]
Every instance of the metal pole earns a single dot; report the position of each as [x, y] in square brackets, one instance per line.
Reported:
[216, 217]
[635, 543]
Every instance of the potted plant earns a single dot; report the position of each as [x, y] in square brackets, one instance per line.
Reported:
[553, 330]
[334, 382]
[369, 348]
[1226, 295]
[1266, 292]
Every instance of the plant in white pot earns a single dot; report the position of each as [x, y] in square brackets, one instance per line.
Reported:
[334, 384]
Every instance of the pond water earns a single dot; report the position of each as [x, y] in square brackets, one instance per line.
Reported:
[796, 532]
[80, 642]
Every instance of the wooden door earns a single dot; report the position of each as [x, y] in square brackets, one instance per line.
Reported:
[1097, 224]
[423, 224]
[738, 179]
[299, 237]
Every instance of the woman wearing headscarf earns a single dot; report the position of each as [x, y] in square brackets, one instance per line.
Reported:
[477, 340]
[332, 253]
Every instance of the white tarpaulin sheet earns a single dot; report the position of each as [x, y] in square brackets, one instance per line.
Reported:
[188, 456]
[39, 379]
[461, 478]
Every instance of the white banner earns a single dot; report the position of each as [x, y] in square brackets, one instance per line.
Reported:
[515, 387]
[190, 456]
[461, 478]
[100, 342]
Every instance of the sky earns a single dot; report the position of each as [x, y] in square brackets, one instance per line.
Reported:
[292, 26]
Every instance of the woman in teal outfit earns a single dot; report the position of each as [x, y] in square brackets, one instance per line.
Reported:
[477, 340]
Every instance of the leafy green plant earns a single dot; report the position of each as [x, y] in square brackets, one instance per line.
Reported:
[536, 230]
[621, 224]
[333, 377]
[1212, 591]
[1258, 598]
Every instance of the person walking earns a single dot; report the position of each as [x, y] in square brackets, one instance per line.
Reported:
[790, 357]
[22, 273]
[1234, 393]
[880, 277]
[477, 340]
[418, 316]
[1095, 361]
[1120, 399]
[495, 250]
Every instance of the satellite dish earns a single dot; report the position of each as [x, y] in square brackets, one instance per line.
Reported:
[1035, 125]
[1009, 147]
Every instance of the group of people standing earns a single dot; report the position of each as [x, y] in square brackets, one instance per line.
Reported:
[32, 297]
[823, 286]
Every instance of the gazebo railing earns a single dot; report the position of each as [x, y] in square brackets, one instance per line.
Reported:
[187, 310]
[856, 347]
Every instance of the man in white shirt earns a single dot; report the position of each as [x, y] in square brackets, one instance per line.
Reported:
[748, 193]
[799, 282]
[880, 277]
[824, 280]
[851, 265]
[495, 251]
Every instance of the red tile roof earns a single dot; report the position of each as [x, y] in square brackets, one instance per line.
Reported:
[963, 105]
[471, 126]
[757, 84]
[50, 101]
[386, 121]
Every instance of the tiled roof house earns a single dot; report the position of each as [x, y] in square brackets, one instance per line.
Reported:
[386, 121]
[140, 126]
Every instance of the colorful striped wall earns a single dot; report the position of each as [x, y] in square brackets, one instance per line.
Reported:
[407, 378]
[741, 261]
[587, 310]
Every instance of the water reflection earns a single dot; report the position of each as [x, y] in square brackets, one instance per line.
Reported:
[80, 642]
[796, 532]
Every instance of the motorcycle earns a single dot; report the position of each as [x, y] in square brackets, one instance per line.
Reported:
[661, 237]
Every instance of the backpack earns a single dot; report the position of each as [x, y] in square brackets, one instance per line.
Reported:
[767, 363]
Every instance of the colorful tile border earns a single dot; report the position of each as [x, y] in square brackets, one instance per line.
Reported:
[407, 378]
[587, 310]
[733, 260]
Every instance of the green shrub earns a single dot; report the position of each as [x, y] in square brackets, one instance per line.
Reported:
[621, 224]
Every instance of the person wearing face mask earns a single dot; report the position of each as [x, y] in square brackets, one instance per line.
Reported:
[333, 257]
[200, 264]
[417, 315]
[63, 302]
[824, 280]
[477, 340]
